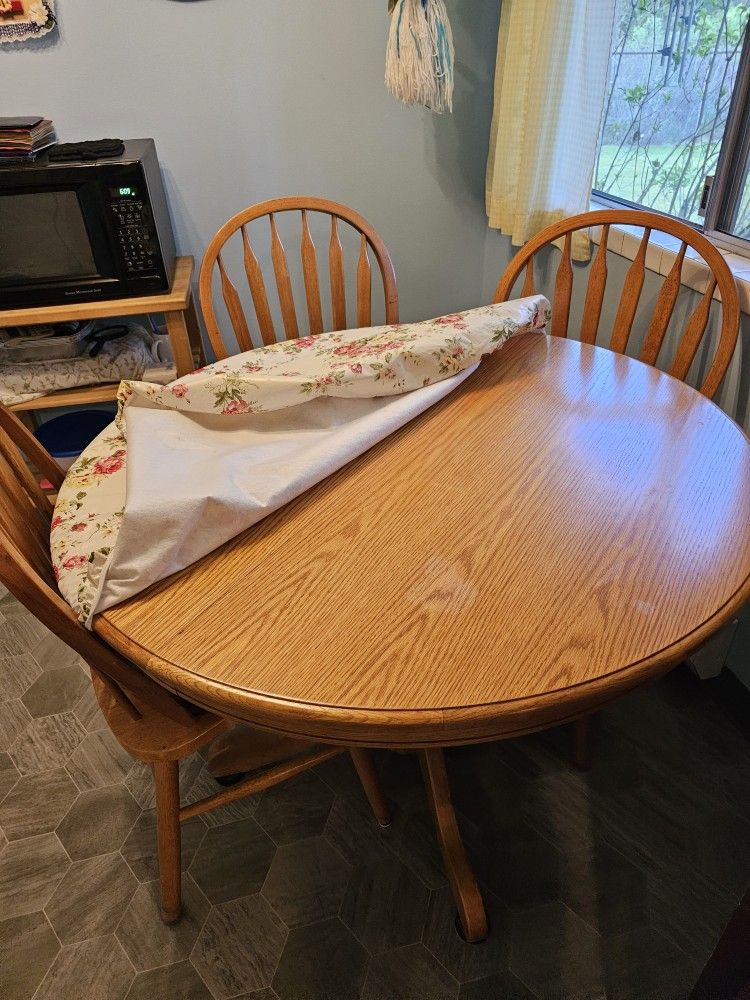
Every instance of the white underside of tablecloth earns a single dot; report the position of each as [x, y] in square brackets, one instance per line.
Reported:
[190, 465]
[251, 465]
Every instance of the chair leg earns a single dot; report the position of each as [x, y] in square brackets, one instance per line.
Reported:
[365, 767]
[168, 838]
[466, 894]
[582, 743]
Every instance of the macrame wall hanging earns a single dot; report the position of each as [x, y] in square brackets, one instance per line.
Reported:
[419, 58]
[24, 19]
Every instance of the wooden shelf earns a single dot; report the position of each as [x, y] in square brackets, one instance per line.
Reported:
[71, 397]
[182, 325]
[175, 300]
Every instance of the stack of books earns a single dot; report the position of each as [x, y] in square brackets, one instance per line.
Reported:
[25, 138]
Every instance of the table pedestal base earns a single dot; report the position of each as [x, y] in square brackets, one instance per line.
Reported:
[466, 894]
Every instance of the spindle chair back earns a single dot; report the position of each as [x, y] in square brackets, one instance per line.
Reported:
[26, 567]
[369, 243]
[719, 277]
[154, 725]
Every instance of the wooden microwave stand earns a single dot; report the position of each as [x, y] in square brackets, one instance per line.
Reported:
[182, 326]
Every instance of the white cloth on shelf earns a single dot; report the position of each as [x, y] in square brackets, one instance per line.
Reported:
[129, 357]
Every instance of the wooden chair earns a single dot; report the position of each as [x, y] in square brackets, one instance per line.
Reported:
[152, 724]
[719, 277]
[368, 241]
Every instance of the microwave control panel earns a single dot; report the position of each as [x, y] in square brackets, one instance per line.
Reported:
[135, 232]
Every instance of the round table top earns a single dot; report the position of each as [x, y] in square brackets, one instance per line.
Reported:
[564, 525]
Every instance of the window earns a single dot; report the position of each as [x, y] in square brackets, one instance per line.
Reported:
[675, 130]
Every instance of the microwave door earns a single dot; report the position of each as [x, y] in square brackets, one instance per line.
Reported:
[51, 238]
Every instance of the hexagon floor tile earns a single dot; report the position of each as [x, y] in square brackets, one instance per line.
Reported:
[393, 976]
[18, 674]
[615, 882]
[57, 690]
[8, 775]
[232, 860]
[37, 803]
[306, 881]
[30, 870]
[321, 961]
[98, 822]
[106, 879]
[99, 761]
[239, 946]
[373, 907]
[171, 981]
[139, 848]
[14, 718]
[296, 809]
[147, 940]
[466, 961]
[47, 743]
[28, 947]
[97, 969]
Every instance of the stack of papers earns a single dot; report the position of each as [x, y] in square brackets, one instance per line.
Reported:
[24, 138]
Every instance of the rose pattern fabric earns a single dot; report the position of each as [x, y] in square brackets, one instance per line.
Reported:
[88, 513]
[380, 361]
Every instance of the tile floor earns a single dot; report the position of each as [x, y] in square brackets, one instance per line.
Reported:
[613, 884]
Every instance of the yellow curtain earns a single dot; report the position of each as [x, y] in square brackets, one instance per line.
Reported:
[550, 83]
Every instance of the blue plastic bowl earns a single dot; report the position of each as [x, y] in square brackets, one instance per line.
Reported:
[66, 436]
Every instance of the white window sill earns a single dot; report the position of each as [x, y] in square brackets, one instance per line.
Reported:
[662, 252]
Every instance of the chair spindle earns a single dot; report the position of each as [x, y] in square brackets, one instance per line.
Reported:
[694, 331]
[234, 308]
[310, 274]
[631, 294]
[364, 285]
[258, 291]
[663, 310]
[563, 290]
[283, 283]
[592, 308]
[336, 267]
[528, 281]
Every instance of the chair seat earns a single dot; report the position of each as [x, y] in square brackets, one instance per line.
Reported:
[235, 749]
[155, 737]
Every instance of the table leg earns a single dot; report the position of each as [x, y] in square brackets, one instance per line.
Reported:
[466, 894]
[365, 768]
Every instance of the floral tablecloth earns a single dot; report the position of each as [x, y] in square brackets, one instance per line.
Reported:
[188, 485]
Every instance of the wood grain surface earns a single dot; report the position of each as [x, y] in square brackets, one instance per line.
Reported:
[566, 524]
[718, 276]
[212, 260]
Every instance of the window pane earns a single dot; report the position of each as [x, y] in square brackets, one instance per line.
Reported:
[671, 75]
[740, 224]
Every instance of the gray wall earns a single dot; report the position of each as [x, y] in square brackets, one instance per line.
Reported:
[252, 100]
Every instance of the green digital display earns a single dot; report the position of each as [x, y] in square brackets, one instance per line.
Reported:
[126, 191]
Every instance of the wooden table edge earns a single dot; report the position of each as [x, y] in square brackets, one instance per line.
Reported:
[415, 728]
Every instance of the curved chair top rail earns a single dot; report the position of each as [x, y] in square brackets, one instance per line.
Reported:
[719, 277]
[368, 238]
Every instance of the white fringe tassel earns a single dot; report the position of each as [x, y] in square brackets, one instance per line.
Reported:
[419, 58]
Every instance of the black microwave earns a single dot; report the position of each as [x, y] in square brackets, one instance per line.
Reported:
[84, 231]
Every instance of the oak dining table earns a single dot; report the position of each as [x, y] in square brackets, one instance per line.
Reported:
[564, 526]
